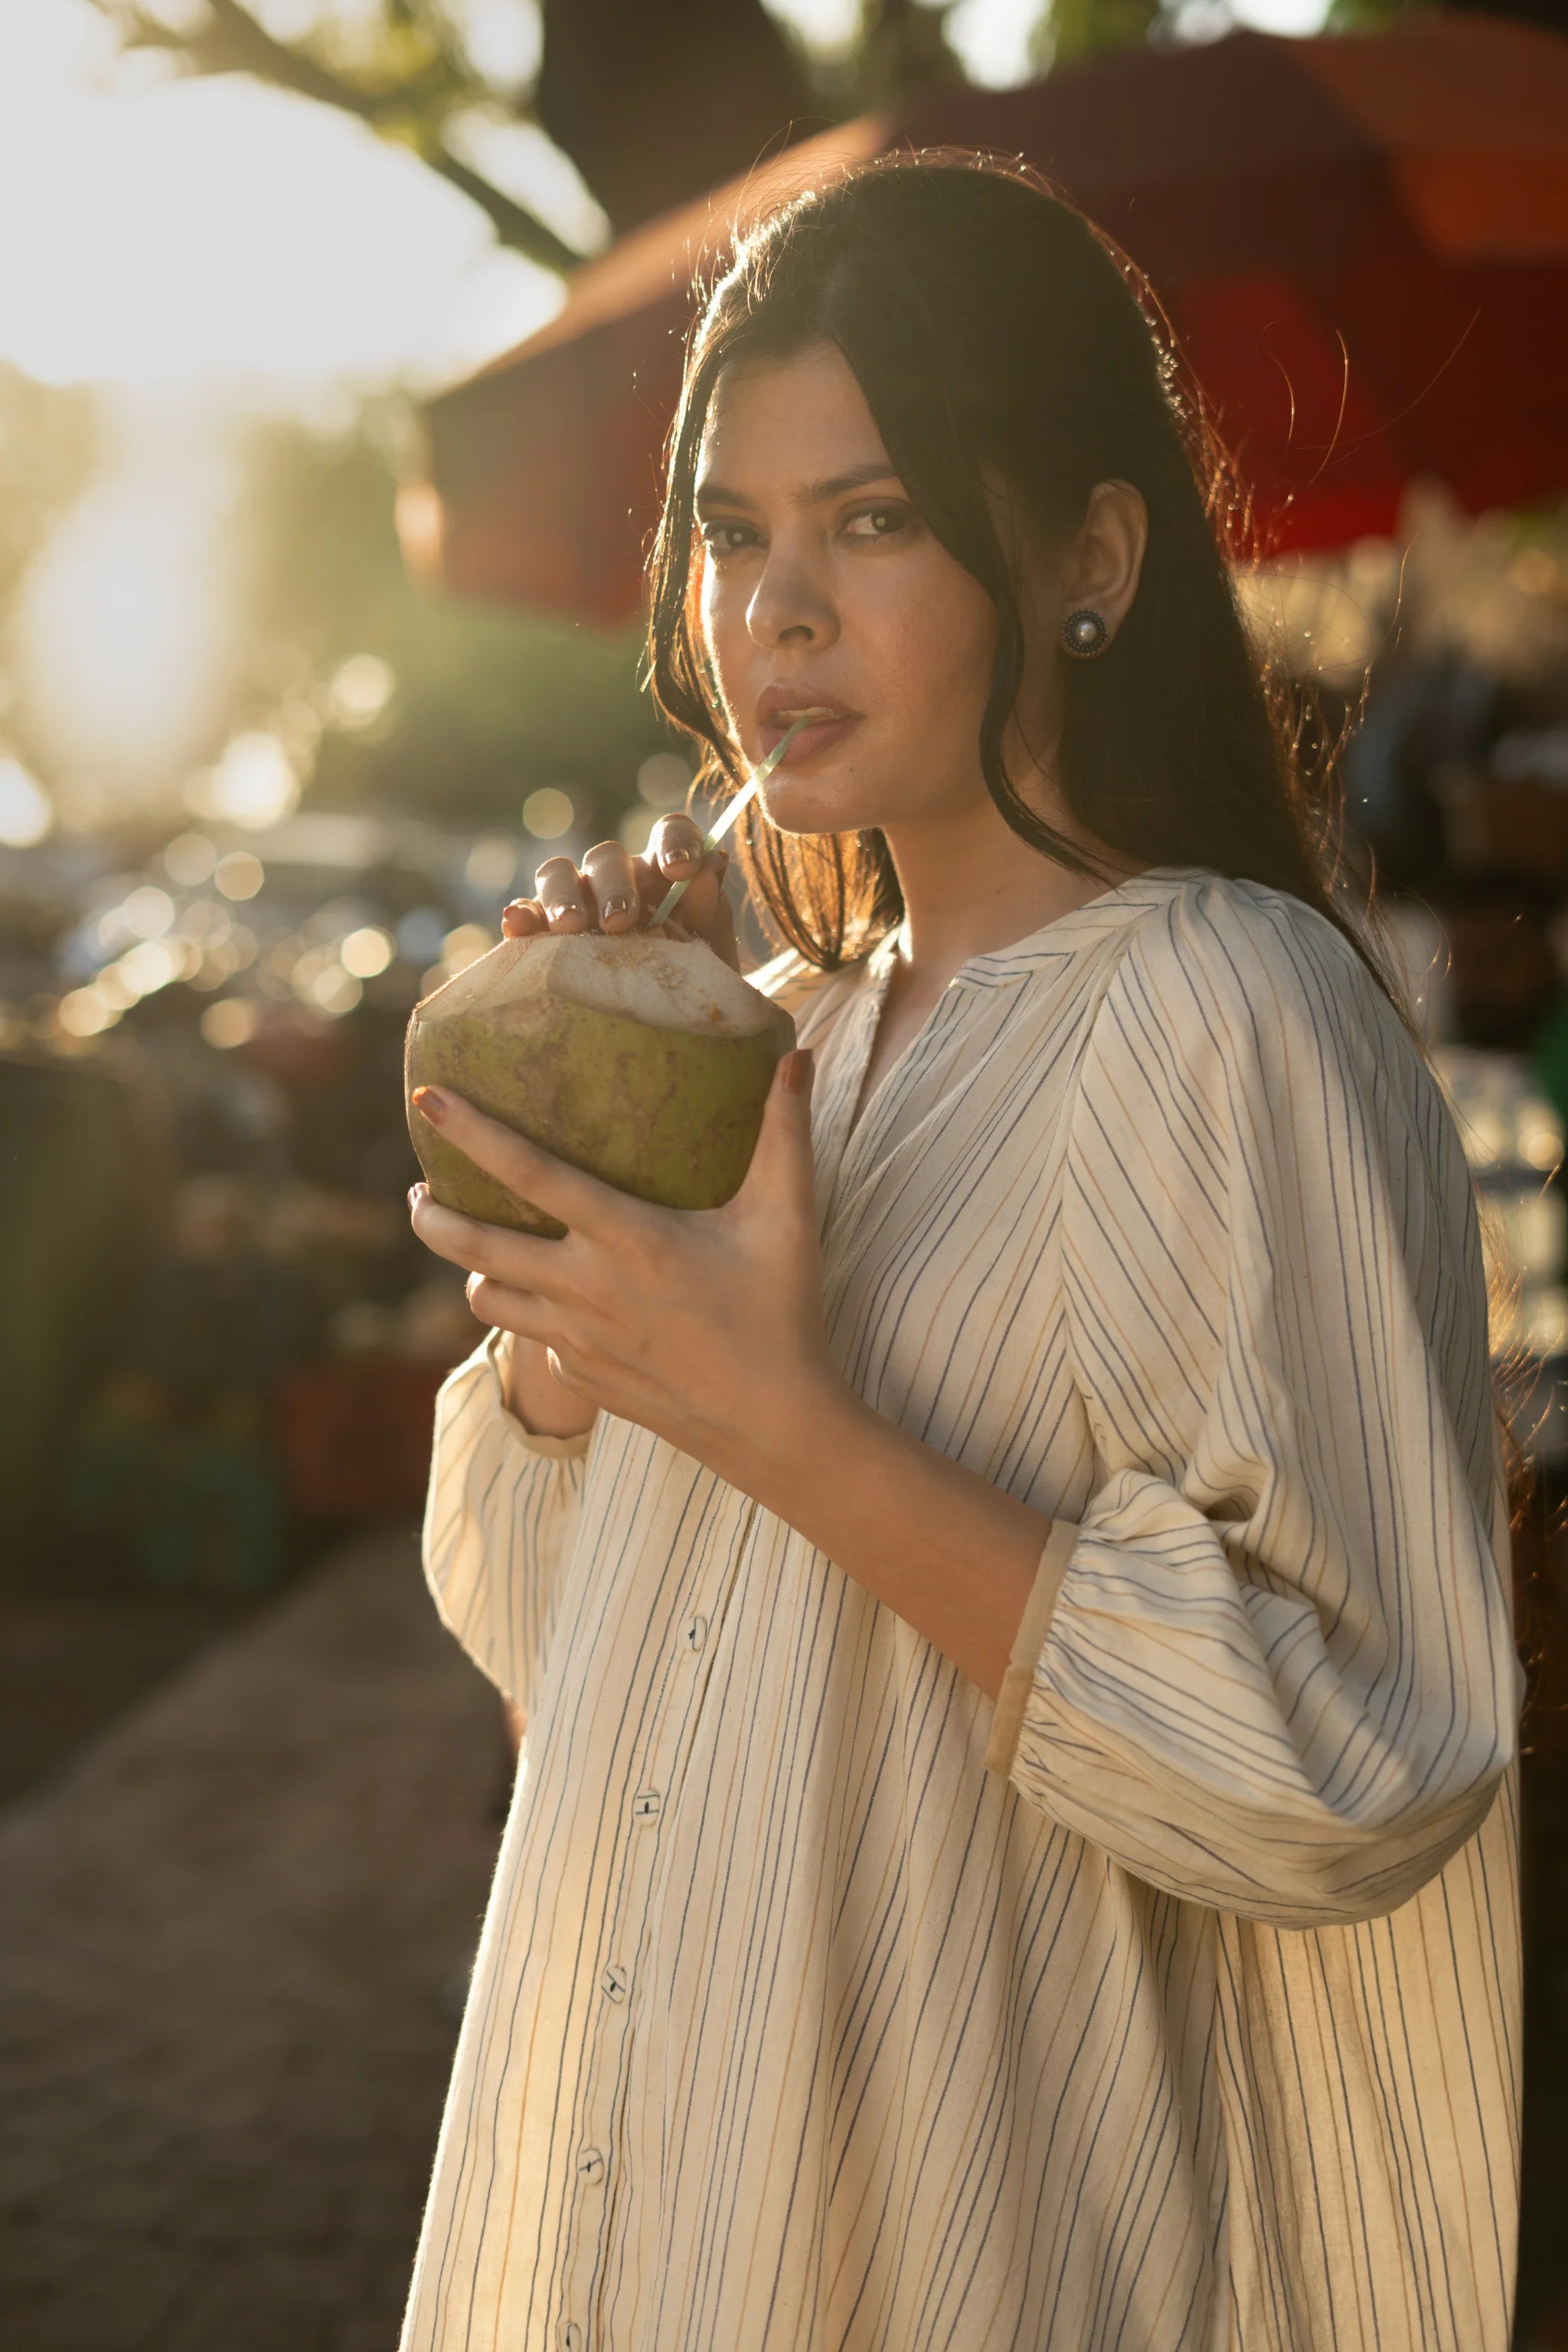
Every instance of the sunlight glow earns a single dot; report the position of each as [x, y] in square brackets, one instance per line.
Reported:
[993, 40]
[517, 159]
[123, 625]
[182, 229]
[1302, 18]
[829, 29]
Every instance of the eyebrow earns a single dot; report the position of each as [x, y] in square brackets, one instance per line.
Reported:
[810, 494]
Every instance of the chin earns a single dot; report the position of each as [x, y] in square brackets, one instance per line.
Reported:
[806, 811]
[810, 802]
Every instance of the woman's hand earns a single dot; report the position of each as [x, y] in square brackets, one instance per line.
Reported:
[705, 1325]
[616, 892]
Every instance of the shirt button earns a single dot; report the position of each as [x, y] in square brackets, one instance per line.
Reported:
[695, 1633]
[614, 1982]
[591, 2164]
[646, 1804]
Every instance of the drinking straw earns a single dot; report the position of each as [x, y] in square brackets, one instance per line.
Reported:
[759, 776]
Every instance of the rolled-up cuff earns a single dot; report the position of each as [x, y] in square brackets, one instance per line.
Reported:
[1007, 1716]
[498, 1353]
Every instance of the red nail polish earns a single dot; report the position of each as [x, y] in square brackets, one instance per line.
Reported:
[429, 1104]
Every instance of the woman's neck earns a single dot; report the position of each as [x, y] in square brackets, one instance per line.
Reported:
[971, 886]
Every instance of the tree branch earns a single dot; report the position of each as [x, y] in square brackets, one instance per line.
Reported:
[513, 224]
[233, 42]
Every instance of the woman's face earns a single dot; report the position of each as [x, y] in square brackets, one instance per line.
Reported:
[822, 591]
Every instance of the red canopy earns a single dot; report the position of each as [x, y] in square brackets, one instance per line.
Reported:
[1363, 241]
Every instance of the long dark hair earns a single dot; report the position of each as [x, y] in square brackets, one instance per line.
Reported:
[995, 331]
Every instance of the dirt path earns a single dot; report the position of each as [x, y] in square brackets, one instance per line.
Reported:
[236, 1928]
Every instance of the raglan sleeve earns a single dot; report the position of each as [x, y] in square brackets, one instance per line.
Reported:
[1271, 1669]
[500, 1511]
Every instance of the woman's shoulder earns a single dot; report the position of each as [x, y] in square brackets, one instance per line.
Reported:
[1242, 1030]
[1222, 944]
[1228, 984]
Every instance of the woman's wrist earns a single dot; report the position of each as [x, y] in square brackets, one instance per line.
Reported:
[534, 1396]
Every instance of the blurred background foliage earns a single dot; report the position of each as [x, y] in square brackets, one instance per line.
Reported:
[488, 705]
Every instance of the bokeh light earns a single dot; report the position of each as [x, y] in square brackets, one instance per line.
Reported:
[664, 778]
[148, 912]
[493, 863]
[85, 1013]
[238, 875]
[189, 860]
[230, 1022]
[334, 990]
[548, 812]
[464, 946]
[361, 690]
[366, 952]
[254, 784]
[25, 814]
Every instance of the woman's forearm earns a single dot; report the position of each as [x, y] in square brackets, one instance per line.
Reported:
[951, 1554]
[537, 1399]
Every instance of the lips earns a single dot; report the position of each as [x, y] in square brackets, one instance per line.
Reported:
[828, 720]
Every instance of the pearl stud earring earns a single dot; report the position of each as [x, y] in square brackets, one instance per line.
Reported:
[1084, 634]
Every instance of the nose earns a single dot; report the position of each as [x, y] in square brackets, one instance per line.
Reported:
[791, 603]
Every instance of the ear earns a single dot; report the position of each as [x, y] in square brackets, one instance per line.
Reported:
[1106, 559]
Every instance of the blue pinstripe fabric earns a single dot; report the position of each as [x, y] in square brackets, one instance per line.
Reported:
[817, 2010]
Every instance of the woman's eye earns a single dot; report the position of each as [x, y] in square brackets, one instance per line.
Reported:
[727, 538]
[877, 522]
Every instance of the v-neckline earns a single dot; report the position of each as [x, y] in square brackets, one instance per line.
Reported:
[879, 970]
[877, 1001]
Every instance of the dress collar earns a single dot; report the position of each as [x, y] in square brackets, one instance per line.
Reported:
[999, 966]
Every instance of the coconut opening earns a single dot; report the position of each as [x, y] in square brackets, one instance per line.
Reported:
[665, 984]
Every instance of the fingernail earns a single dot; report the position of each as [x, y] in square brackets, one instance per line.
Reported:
[798, 1070]
[616, 907]
[429, 1104]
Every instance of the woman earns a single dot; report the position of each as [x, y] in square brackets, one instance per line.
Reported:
[1016, 1840]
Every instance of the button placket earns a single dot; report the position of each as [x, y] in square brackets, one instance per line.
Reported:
[593, 2195]
[831, 1134]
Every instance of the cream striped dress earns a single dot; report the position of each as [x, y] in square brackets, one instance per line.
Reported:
[1171, 2000]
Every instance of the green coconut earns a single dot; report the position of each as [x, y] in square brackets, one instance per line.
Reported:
[645, 1060]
